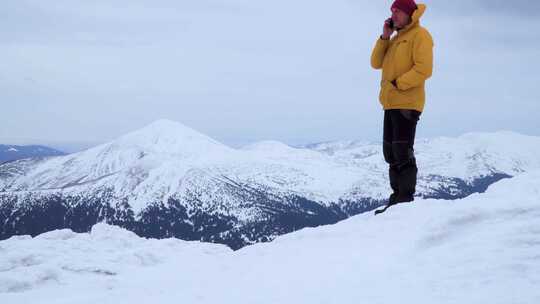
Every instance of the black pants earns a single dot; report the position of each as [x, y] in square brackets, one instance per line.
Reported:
[398, 150]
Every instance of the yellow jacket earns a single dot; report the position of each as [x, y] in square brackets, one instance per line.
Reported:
[408, 59]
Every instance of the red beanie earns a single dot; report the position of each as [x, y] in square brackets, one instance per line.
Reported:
[407, 6]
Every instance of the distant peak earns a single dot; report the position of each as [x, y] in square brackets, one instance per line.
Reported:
[164, 127]
[165, 134]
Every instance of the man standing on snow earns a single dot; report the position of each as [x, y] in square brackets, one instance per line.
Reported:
[406, 61]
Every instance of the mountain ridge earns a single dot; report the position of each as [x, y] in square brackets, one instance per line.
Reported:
[168, 175]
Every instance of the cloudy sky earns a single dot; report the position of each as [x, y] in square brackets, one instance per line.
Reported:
[297, 71]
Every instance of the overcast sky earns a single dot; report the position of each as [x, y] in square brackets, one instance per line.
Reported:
[297, 71]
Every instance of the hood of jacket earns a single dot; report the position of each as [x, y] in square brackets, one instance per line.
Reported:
[415, 18]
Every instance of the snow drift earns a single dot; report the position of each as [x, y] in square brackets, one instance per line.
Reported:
[481, 249]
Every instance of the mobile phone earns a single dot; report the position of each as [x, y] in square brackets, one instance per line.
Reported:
[391, 23]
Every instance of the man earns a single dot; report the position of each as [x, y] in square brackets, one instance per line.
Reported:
[406, 61]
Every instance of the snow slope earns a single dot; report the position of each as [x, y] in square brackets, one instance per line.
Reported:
[481, 249]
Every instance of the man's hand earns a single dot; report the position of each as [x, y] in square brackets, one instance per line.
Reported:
[387, 30]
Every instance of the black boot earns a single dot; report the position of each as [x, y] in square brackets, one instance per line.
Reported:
[407, 182]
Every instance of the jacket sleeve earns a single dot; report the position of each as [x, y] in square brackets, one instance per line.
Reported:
[377, 56]
[423, 63]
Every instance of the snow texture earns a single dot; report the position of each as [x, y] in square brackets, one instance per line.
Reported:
[481, 249]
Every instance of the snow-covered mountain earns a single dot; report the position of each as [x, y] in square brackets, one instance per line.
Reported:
[169, 180]
[14, 152]
[480, 249]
